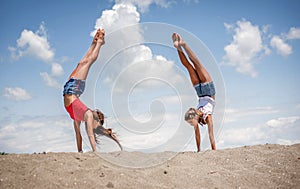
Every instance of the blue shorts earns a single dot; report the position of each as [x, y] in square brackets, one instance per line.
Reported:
[205, 89]
[74, 86]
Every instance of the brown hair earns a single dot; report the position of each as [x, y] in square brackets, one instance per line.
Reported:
[100, 130]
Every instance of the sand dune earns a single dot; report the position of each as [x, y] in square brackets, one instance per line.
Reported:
[261, 166]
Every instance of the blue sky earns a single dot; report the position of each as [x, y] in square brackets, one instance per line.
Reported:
[255, 46]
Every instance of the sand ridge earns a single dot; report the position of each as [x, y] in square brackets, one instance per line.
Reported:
[260, 166]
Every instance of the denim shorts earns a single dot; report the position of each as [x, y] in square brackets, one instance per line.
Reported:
[205, 89]
[74, 86]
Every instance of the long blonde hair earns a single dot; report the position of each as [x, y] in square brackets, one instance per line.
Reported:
[190, 114]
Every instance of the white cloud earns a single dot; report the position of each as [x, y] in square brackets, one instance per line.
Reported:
[283, 122]
[265, 28]
[279, 43]
[228, 26]
[38, 134]
[36, 44]
[50, 80]
[233, 115]
[233, 137]
[136, 62]
[153, 73]
[144, 5]
[119, 16]
[249, 45]
[245, 48]
[57, 69]
[283, 130]
[16, 93]
[294, 33]
[287, 142]
[33, 44]
[154, 136]
[281, 47]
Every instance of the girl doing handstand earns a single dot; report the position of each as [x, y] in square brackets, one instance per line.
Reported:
[204, 87]
[94, 119]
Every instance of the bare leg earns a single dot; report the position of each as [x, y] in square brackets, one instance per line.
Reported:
[201, 71]
[78, 135]
[94, 42]
[82, 69]
[192, 72]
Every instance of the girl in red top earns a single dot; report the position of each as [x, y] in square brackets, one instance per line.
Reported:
[74, 87]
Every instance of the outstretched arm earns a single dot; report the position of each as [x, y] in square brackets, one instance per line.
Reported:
[78, 135]
[197, 137]
[211, 132]
[89, 124]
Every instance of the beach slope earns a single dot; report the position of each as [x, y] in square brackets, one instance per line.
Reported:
[259, 166]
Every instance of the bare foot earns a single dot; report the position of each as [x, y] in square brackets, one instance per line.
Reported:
[101, 37]
[175, 41]
[181, 42]
[96, 36]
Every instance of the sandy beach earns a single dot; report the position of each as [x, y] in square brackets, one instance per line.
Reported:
[260, 166]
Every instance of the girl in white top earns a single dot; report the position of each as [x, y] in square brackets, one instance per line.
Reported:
[204, 87]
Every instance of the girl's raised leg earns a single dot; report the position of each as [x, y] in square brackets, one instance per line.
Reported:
[200, 69]
[82, 69]
[192, 72]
